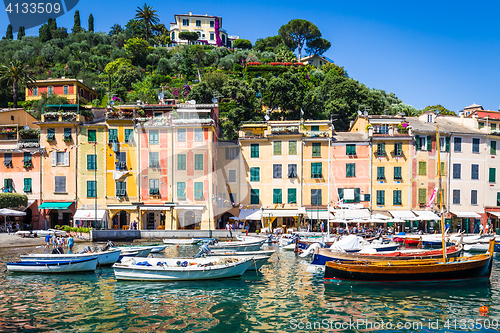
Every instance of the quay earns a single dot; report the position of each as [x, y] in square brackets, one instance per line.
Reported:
[128, 235]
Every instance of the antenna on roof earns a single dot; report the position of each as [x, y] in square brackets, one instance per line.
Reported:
[359, 113]
[365, 113]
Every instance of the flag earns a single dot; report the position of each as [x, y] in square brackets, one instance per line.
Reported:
[431, 200]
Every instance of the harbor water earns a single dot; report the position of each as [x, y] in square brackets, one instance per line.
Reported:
[282, 297]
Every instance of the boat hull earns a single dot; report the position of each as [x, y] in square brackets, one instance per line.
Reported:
[175, 241]
[103, 258]
[237, 246]
[161, 273]
[436, 272]
[54, 266]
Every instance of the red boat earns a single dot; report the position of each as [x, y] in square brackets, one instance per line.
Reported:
[412, 241]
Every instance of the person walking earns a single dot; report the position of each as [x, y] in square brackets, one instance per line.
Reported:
[47, 241]
[54, 241]
[70, 243]
[246, 228]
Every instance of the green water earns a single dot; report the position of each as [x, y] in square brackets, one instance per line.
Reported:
[283, 297]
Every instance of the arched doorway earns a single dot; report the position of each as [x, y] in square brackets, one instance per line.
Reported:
[120, 220]
[189, 220]
[224, 219]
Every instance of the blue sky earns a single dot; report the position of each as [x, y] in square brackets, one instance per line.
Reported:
[426, 52]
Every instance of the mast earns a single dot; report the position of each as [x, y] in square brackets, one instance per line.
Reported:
[440, 191]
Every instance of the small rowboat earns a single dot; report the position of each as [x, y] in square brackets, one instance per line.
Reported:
[238, 246]
[177, 241]
[180, 269]
[54, 266]
[103, 258]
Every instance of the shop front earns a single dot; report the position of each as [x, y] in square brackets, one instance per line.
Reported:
[57, 213]
[252, 218]
[90, 218]
[468, 221]
[156, 217]
[189, 217]
[283, 218]
[123, 216]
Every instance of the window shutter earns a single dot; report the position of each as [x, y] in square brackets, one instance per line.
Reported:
[356, 194]
[429, 143]
[498, 198]
[66, 158]
[493, 147]
[492, 175]
[292, 195]
[447, 143]
[417, 142]
[341, 193]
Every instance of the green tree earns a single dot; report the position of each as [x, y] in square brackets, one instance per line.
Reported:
[44, 33]
[190, 36]
[21, 33]
[13, 200]
[77, 27]
[268, 44]
[148, 15]
[115, 29]
[9, 34]
[299, 32]
[91, 23]
[138, 48]
[317, 46]
[16, 73]
[244, 44]
[143, 91]
[441, 109]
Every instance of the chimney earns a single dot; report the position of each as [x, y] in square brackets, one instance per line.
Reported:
[190, 13]
[391, 130]
[370, 131]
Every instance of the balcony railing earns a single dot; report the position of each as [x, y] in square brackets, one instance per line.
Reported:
[121, 165]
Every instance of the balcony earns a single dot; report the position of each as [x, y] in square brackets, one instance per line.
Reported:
[317, 134]
[7, 163]
[120, 193]
[154, 191]
[285, 130]
[59, 117]
[154, 166]
[120, 114]
[121, 165]
[28, 164]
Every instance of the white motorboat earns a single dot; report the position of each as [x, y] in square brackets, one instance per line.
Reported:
[289, 247]
[103, 258]
[134, 251]
[54, 266]
[222, 253]
[41, 233]
[161, 269]
[180, 241]
[238, 246]
[154, 248]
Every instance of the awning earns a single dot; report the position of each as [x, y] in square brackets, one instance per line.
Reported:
[250, 214]
[122, 207]
[402, 214]
[89, 215]
[425, 215]
[351, 214]
[497, 214]
[154, 207]
[282, 212]
[323, 215]
[30, 202]
[466, 214]
[55, 205]
[190, 207]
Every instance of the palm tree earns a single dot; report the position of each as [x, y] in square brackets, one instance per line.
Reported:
[17, 73]
[149, 15]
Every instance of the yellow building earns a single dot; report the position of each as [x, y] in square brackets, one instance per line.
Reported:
[74, 90]
[391, 163]
[122, 183]
[207, 26]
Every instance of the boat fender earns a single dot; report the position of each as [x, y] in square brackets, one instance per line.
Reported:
[178, 264]
[159, 263]
[184, 264]
[483, 310]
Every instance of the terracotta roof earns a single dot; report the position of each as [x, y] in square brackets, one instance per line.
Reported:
[445, 126]
[491, 114]
[473, 106]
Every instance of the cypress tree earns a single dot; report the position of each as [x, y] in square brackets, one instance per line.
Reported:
[9, 34]
[21, 33]
[44, 33]
[52, 24]
[91, 23]
[77, 26]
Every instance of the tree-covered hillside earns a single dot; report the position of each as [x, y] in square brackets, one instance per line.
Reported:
[136, 61]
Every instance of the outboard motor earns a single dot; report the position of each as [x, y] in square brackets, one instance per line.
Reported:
[108, 246]
[85, 250]
[204, 250]
[322, 244]
[58, 250]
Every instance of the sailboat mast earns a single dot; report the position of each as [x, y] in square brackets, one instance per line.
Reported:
[440, 192]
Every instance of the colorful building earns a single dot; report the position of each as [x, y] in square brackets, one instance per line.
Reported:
[74, 90]
[20, 170]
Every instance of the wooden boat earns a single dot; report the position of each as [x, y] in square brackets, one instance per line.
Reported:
[321, 256]
[54, 266]
[180, 269]
[425, 270]
[179, 241]
[238, 246]
[103, 258]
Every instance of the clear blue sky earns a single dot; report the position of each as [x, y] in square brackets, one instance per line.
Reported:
[426, 52]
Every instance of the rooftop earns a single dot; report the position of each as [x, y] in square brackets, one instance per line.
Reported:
[445, 126]
[349, 137]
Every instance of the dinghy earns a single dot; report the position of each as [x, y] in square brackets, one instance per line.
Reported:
[178, 241]
[103, 258]
[54, 266]
[238, 246]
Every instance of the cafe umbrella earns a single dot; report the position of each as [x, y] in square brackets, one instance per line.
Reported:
[10, 212]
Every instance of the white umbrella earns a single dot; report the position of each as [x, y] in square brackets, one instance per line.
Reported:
[10, 212]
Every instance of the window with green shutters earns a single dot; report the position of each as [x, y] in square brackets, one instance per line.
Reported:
[314, 128]
[350, 150]
[8, 185]
[181, 190]
[121, 188]
[380, 173]
[254, 197]
[498, 198]
[316, 149]
[91, 189]
[181, 162]
[154, 187]
[316, 197]
[91, 162]
[198, 161]
[340, 191]
[129, 135]
[67, 134]
[198, 191]
[380, 149]
[422, 195]
[429, 143]
[277, 194]
[398, 149]
[397, 173]
[480, 124]
[51, 134]
[493, 127]
[447, 144]
[277, 147]
[292, 147]
[493, 147]
[417, 142]
[443, 169]
[316, 170]
[113, 135]
[255, 174]
[396, 198]
[153, 137]
[380, 197]
[292, 195]
[254, 150]
[92, 135]
[27, 185]
[350, 170]
[357, 195]
[492, 177]
[422, 168]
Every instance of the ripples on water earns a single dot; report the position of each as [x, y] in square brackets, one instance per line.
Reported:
[276, 299]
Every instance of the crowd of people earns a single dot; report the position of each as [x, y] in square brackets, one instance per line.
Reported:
[59, 241]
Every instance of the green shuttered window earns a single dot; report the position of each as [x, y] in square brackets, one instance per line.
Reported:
[255, 174]
[254, 150]
[422, 195]
[316, 170]
[316, 149]
[397, 173]
[492, 177]
[198, 191]
[350, 170]
[91, 189]
[422, 168]
[277, 147]
[198, 161]
[380, 173]
[350, 150]
[380, 197]
[27, 185]
[91, 162]
[292, 195]
[277, 196]
[254, 196]
[181, 190]
[396, 194]
[292, 148]
[493, 147]
[181, 162]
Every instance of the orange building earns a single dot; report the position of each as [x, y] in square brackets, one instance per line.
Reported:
[74, 90]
